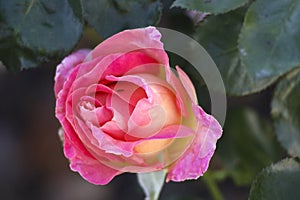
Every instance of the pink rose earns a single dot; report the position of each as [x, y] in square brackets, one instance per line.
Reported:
[122, 109]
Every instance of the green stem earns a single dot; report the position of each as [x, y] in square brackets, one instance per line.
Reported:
[212, 186]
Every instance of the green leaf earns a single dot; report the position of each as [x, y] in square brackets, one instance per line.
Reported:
[286, 112]
[277, 182]
[219, 35]
[247, 145]
[111, 16]
[269, 42]
[33, 31]
[210, 6]
[152, 183]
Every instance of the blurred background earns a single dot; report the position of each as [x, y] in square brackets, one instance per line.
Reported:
[32, 164]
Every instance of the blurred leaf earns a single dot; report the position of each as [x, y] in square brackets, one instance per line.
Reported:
[286, 112]
[33, 31]
[152, 183]
[269, 42]
[219, 35]
[111, 16]
[210, 6]
[277, 182]
[247, 145]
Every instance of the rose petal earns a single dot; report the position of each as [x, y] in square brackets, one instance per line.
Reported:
[132, 63]
[110, 65]
[111, 145]
[152, 114]
[187, 84]
[173, 131]
[89, 73]
[89, 168]
[195, 160]
[144, 39]
[64, 69]
[184, 103]
[125, 148]
[81, 160]
[181, 94]
[97, 116]
[111, 128]
[98, 148]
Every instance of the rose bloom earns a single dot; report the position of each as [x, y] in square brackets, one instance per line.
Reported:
[122, 109]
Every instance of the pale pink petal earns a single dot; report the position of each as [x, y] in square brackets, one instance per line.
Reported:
[181, 93]
[121, 111]
[89, 73]
[184, 101]
[209, 131]
[146, 119]
[195, 160]
[124, 99]
[111, 145]
[72, 104]
[97, 116]
[187, 84]
[173, 131]
[64, 69]
[111, 128]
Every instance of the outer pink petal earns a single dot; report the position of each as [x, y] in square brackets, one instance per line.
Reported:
[187, 84]
[145, 39]
[64, 69]
[89, 168]
[82, 161]
[195, 160]
[181, 93]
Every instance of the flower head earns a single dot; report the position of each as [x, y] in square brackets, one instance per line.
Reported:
[123, 109]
